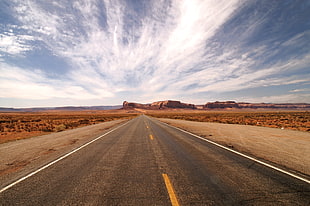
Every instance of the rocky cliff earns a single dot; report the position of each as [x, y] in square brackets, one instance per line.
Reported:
[244, 105]
[168, 104]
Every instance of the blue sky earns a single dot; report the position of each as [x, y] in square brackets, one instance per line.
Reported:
[100, 52]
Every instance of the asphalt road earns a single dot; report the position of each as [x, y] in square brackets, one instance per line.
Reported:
[146, 162]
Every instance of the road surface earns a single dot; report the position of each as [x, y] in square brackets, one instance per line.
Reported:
[145, 162]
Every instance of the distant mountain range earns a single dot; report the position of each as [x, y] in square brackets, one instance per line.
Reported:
[69, 108]
[171, 104]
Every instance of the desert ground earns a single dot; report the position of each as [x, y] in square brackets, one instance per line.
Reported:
[292, 120]
[21, 125]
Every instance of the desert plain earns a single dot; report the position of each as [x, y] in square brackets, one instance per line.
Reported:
[28, 140]
[21, 125]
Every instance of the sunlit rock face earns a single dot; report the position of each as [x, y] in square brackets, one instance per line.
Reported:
[245, 105]
[159, 105]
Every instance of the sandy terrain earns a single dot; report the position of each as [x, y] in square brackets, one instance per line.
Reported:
[294, 120]
[23, 125]
[287, 148]
[20, 157]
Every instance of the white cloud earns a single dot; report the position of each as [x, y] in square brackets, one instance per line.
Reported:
[164, 49]
[251, 79]
[22, 84]
[285, 98]
[301, 90]
[167, 51]
[14, 44]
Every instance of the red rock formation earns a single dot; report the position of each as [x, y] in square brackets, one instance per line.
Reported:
[170, 104]
[131, 105]
[221, 105]
[159, 105]
[241, 105]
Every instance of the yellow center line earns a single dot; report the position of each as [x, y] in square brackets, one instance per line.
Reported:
[151, 137]
[147, 126]
[173, 198]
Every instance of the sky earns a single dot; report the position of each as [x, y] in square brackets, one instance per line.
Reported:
[103, 52]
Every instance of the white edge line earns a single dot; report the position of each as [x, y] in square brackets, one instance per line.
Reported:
[243, 155]
[57, 160]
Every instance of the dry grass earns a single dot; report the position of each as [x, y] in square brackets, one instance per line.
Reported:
[14, 126]
[295, 120]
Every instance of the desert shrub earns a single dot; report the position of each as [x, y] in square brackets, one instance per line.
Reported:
[59, 128]
[299, 120]
[84, 121]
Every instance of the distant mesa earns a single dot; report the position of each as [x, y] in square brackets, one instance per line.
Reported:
[171, 104]
[168, 104]
[244, 105]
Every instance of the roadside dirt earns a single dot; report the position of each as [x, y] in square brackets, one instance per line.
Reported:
[20, 157]
[286, 148]
[23, 125]
[294, 120]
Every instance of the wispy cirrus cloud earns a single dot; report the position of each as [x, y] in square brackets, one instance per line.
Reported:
[288, 98]
[13, 44]
[149, 50]
[18, 82]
